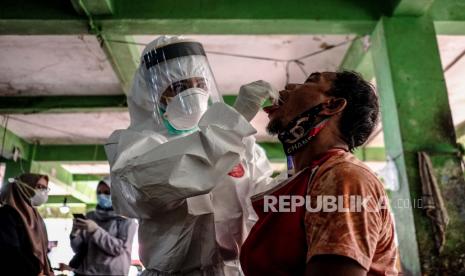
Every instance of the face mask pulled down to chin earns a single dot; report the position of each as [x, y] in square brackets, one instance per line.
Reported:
[301, 130]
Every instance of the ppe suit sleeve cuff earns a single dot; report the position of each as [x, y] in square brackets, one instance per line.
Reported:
[227, 118]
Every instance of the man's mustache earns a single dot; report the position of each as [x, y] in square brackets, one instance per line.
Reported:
[275, 126]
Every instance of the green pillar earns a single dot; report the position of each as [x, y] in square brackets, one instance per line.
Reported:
[417, 117]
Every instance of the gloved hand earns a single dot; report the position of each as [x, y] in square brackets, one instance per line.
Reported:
[86, 224]
[252, 96]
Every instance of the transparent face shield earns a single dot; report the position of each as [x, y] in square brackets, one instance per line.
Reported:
[181, 84]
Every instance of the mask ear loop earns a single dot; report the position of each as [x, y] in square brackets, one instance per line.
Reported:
[24, 188]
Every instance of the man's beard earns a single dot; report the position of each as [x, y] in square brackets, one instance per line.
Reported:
[275, 127]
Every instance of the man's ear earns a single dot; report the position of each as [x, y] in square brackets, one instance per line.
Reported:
[334, 106]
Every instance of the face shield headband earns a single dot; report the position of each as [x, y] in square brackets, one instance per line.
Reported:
[301, 130]
[176, 50]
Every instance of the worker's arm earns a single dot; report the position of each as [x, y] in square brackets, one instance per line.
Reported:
[334, 265]
[188, 166]
[115, 245]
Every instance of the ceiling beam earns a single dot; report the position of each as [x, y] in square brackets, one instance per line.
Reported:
[460, 130]
[119, 49]
[448, 17]
[184, 16]
[39, 26]
[53, 170]
[236, 26]
[412, 7]
[450, 27]
[241, 17]
[354, 55]
[22, 17]
[123, 56]
[93, 153]
[57, 199]
[95, 7]
[358, 58]
[274, 152]
[59, 104]
[72, 153]
[87, 177]
[29, 17]
[63, 104]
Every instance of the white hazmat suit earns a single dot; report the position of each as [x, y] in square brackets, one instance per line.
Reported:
[185, 167]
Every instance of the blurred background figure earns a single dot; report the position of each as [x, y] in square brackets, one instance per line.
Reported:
[102, 240]
[23, 236]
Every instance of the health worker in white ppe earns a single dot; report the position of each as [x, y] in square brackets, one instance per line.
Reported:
[188, 163]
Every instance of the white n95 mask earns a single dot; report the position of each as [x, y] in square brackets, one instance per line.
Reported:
[39, 198]
[184, 111]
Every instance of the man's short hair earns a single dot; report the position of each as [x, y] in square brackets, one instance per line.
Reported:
[360, 117]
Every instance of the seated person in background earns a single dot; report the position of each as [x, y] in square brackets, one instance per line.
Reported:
[319, 123]
[23, 236]
[103, 241]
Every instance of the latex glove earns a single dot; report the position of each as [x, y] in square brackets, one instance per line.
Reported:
[252, 96]
[86, 224]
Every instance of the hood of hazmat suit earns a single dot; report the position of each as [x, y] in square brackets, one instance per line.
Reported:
[187, 164]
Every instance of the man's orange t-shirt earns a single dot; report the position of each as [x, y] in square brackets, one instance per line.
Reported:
[282, 243]
[366, 232]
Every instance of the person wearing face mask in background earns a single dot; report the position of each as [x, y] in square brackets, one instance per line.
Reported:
[103, 241]
[23, 236]
[187, 162]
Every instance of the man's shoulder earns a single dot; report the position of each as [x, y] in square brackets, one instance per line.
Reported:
[345, 164]
[346, 173]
